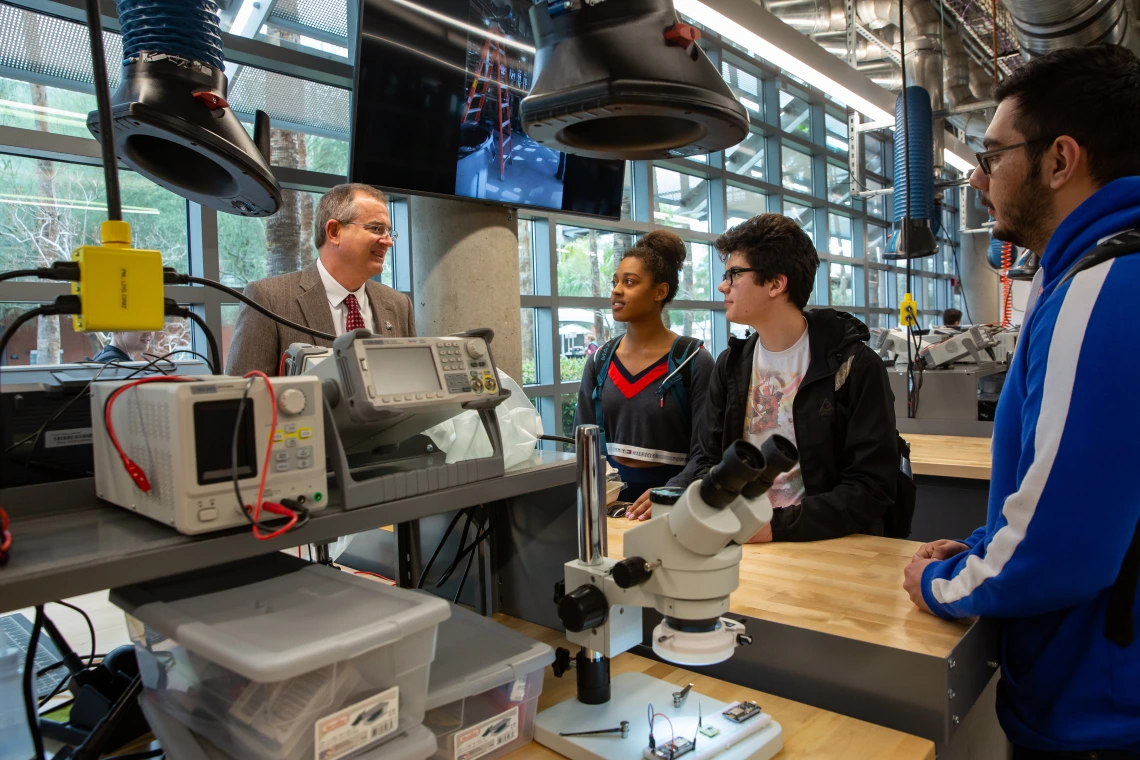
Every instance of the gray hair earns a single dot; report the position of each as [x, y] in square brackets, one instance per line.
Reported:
[339, 203]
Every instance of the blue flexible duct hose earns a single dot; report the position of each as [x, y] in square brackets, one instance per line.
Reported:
[993, 255]
[187, 28]
[919, 132]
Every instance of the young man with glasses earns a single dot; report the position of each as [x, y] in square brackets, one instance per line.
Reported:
[1058, 559]
[352, 231]
[806, 375]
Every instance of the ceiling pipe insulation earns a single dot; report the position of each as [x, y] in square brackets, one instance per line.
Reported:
[1043, 26]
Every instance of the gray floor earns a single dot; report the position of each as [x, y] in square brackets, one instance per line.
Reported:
[529, 177]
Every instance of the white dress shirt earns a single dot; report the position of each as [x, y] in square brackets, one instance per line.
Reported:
[336, 294]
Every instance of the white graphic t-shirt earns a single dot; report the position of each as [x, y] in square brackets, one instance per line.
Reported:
[776, 376]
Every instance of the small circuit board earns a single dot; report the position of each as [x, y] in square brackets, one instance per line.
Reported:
[741, 712]
[710, 731]
[674, 749]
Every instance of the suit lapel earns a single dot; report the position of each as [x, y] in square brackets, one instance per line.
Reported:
[314, 303]
[382, 313]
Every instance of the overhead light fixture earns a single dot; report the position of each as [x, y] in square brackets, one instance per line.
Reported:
[730, 29]
[958, 162]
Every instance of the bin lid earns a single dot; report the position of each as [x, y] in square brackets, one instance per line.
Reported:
[474, 654]
[276, 617]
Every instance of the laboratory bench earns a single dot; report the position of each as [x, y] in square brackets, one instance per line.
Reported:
[808, 732]
[831, 624]
[952, 473]
[67, 542]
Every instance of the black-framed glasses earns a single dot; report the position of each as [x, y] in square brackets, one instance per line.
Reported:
[379, 230]
[985, 156]
[731, 274]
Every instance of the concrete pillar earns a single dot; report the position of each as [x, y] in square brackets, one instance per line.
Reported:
[465, 273]
[980, 283]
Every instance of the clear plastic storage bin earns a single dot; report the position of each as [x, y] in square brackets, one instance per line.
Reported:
[180, 743]
[484, 689]
[280, 659]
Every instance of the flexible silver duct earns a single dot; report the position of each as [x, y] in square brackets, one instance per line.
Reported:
[810, 16]
[956, 71]
[1043, 26]
[981, 81]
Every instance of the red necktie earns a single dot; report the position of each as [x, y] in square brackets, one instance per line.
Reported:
[354, 320]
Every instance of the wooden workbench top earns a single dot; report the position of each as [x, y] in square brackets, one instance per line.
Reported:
[808, 731]
[850, 587]
[949, 456]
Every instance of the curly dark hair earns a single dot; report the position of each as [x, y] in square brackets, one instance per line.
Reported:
[1091, 94]
[774, 244]
[663, 253]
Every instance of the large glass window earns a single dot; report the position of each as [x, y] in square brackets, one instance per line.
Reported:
[48, 109]
[526, 257]
[53, 340]
[49, 208]
[795, 113]
[843, 284]
[877, 288]
[588, 259]
[692, 322]
[530, 373]
[253, 248]
[575, 328]
[838, 185]
[693, 283]
[747, 156]
[796, 169]
[743, 204]
[876, 242]
[682, 199]
[804, 216]
[876, 204]
[836, 133]
[873, 150]
[839, 239]
[745, 86]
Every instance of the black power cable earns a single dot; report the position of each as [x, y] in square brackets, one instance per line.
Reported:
[181, 279]
[30, 705]
[175, 310]
[103, 103]
[438, 548]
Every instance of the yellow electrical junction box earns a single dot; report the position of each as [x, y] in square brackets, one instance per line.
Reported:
[908, 311]
[120, 288]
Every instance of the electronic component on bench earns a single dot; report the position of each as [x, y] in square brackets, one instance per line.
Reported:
[179, 436]
[393, 388]
[673, 750]
[742, 712]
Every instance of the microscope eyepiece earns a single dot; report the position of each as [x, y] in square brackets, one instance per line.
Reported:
[780, 455]
[741, 464]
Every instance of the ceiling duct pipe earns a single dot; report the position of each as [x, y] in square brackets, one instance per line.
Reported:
[1043, 26]
[810, 17]
[956, 71]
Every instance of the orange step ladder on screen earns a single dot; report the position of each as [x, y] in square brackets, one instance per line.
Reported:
[492, 71]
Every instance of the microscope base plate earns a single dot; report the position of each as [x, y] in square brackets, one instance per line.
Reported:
[759, 738]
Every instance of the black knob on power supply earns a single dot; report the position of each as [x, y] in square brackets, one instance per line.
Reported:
[631, 572]
[584, 607]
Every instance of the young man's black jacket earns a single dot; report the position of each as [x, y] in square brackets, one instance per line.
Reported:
[845, 429]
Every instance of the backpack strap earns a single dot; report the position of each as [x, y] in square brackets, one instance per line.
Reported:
[679, 380]
[1119, 625]
[1120, 244]
[602, 359]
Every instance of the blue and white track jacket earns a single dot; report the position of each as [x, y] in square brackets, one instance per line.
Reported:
[1064, 498]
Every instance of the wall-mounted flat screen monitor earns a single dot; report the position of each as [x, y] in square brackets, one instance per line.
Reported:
[436, 110]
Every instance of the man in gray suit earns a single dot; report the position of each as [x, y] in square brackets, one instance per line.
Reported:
[353, 233]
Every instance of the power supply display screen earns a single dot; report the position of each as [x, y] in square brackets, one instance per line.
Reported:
[403, 370]
[213, 440]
